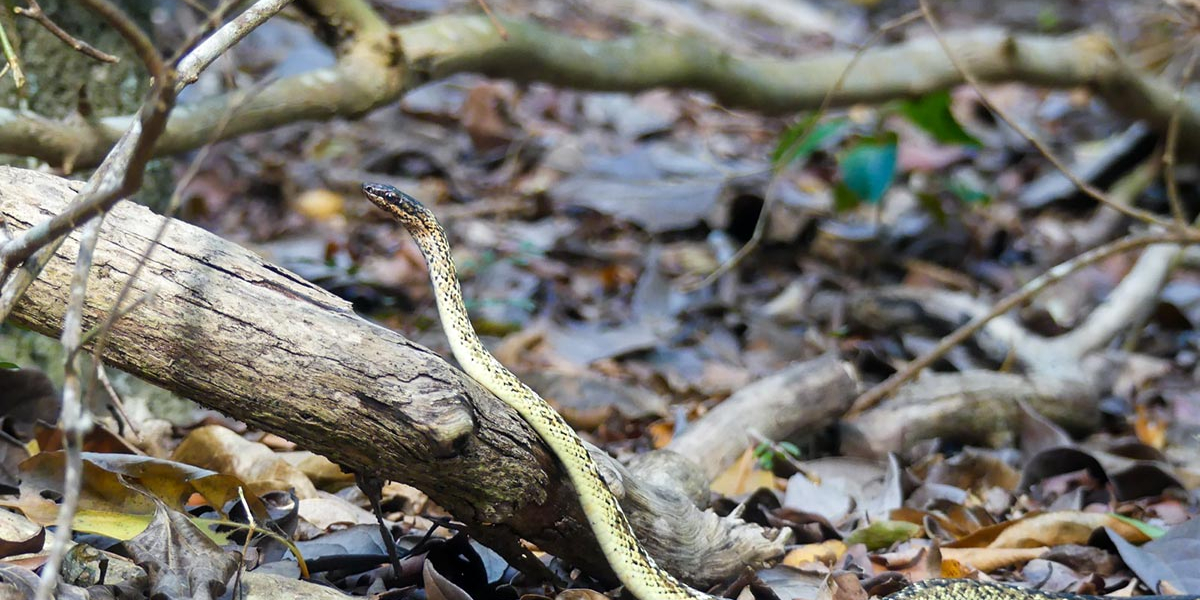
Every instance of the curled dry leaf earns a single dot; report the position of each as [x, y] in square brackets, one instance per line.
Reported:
[19, 535]
[437, 587]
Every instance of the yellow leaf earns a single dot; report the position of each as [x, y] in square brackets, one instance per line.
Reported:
[319, 204]
[827, 552]
[987, 559]
[742, 477]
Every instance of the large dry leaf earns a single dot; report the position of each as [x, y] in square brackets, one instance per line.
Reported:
[221, 450]
[438, 587]
[1173, 558]
[180, 559]
[1062, 527]
[991, 559]
[115, 496]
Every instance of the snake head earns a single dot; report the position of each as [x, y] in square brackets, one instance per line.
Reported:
[403, 207]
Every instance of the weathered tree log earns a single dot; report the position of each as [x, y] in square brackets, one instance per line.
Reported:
[249, 339]
[800, 397]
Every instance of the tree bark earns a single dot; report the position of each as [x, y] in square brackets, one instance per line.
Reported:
[258, 343]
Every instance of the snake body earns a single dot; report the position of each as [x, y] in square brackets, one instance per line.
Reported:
[629, 561]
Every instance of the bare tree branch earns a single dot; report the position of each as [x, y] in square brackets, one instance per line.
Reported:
[372, 73]
[1053, 275]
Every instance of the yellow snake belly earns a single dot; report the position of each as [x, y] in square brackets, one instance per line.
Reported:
[629, 561]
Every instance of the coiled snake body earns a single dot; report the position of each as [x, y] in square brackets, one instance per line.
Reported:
[629, 561]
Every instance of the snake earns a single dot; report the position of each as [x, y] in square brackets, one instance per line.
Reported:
[630, 562]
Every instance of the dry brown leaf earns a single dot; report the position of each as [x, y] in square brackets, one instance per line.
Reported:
[984, 536]
[1149, 430]
[580, 594]
[219, 449]
[485, 116]
[988, 559]
[1062, 527]
[848, 587]
[322, 472]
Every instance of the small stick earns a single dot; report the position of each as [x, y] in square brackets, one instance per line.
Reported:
[35, 12]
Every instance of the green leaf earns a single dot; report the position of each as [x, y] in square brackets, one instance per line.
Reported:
[930, 203]
[790, 448]
[931, 112]
[1151, 531]
[882, 534]
[765, 456]
[966, 192]
[8, 365]
[802, 139]
[844, 199]
[869, 168]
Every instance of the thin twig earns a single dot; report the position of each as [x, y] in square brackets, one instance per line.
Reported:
[10, 55]
[760, 226]
[115, 399]
[74, 420]
[1085, 187]
[1169, 154]
[35, 12]
[215, 45]
[495, 22]
[1051, 276]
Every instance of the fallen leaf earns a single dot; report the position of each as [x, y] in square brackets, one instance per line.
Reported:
[19, 535]
[319, 204]
[990, 559]
[827, 553]
[1173, 559]
[1062, 527]
[742, 478]
[882, 534]
[224, 451]
[180, 559]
